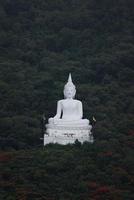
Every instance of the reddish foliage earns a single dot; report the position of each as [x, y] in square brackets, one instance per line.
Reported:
[22, 193]
[108, 153]
[103, 189]
[99, 191]
[5, 157]
[96, 197]
[129, 143]
[92, 185]
[131, 132]
[6, 184]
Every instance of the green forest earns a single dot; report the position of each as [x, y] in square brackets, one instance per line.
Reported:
[41, 42]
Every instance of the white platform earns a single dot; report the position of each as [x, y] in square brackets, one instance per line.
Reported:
[67, 135]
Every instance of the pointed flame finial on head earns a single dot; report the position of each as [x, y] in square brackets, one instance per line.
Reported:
[70, 78]
[69, 82]
[69, 86]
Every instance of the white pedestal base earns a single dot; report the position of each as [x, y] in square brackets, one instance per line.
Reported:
[67, 134]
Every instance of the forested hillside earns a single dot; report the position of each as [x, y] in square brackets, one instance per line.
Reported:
[40, 43]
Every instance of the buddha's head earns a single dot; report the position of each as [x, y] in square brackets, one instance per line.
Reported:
[69, 89]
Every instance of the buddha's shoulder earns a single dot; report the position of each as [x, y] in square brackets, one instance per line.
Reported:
[62, 100]
[78, 101]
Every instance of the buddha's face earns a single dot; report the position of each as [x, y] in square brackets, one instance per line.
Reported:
[69, 92]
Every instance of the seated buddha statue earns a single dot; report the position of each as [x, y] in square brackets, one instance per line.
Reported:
[69, 110]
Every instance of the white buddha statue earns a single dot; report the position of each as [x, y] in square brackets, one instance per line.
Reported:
[69, 110]
[68, 123]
